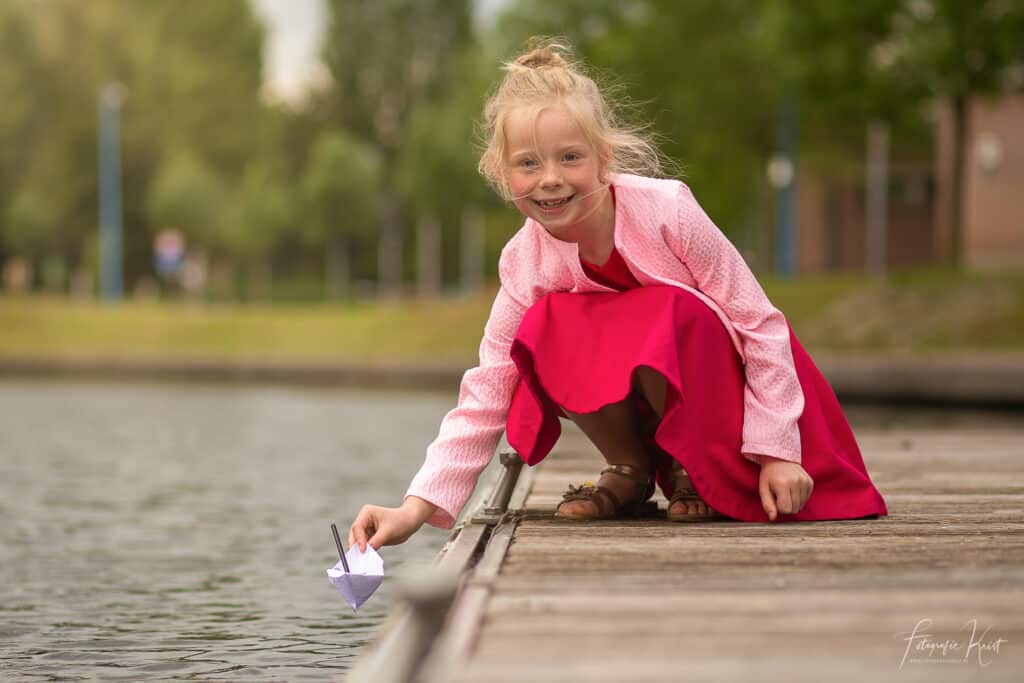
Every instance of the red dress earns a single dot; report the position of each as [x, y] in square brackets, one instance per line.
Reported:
[579, 351]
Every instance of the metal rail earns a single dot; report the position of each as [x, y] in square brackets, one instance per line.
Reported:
[439, 610]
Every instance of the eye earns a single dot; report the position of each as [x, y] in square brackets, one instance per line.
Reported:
[572, 156]
[527, 163]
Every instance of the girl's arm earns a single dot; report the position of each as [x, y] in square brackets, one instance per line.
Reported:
[773, 399]
[470, 432]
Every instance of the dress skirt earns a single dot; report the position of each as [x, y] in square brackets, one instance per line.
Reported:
[578, 352]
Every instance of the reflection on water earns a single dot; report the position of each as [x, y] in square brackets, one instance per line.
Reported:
[165, 531]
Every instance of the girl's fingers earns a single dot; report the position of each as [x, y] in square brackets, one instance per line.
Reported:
[805, 486]
[785, 500]
[377, 541]
[364, 523]
[789, 499]
[767, 499]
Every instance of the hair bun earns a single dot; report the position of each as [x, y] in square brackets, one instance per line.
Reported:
[545, 55]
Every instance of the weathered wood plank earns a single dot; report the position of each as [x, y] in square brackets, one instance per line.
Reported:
[646, 600]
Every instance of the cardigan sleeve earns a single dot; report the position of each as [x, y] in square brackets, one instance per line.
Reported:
[773, 398]
[470, 432]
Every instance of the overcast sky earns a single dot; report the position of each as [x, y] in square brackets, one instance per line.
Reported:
[295, 31]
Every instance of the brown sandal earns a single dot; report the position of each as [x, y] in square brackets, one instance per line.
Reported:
[608, 504]
[684, 492]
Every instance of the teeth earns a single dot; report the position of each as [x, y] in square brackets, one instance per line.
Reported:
[552, 203]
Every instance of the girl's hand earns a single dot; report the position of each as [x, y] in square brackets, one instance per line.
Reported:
[389, 526]
[785, 487]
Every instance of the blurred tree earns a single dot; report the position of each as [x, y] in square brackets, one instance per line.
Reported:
[46, 206]
[191, 77]
[436, 171]
[833, 58]
[386, 59]
[959, 50]
[341, 194]
[187, 195]
[260, 213]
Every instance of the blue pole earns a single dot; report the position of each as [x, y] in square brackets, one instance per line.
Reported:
[786, 224]
[110, 248]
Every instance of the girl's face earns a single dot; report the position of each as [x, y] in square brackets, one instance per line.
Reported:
[553, 172]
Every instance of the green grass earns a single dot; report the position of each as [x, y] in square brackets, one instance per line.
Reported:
[446, 331]
[910, 312]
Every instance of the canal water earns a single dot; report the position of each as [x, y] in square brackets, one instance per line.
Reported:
[181, 531]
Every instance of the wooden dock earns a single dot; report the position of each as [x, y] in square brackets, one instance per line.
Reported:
[553, 600]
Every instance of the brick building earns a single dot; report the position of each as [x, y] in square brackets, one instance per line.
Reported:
[993, 210]
[831, 214]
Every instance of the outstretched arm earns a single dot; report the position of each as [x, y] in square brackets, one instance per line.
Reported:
[470, 432]
[466, 441]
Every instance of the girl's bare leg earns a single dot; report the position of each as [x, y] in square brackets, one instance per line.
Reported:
[614, 430]
[653, 386]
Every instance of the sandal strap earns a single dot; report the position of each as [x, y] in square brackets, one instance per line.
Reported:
[680, 477]
[610, 498]
[682, 487]
[683, 491]
[600, 495]
[644, 479]
[631, 472]
[684, 495]
[603, 497]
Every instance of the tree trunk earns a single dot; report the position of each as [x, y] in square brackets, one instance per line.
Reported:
[389, 262]
[261, 279]
[956, 205]
[876, 213]
[339, 269]
[428, 257]
[471, 252]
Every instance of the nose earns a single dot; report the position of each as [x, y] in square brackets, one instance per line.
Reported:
[551, 178]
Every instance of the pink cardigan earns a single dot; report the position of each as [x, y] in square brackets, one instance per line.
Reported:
[665, 238]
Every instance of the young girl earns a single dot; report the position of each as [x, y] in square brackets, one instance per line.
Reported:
[623, 308]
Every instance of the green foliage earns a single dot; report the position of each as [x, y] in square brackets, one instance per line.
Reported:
[836, 57]
[959, 48]
[260, 215]
[388, 57]
[341, 189]
[437, 164]
[251, 182]
[187, 195]
[191, 77]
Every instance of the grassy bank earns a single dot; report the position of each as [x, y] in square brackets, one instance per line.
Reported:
[910, 312]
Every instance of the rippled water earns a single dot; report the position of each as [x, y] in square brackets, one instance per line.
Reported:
[166, 531]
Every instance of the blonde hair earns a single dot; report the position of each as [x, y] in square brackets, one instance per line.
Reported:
[547, 74]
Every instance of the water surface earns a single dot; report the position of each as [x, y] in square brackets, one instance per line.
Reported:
[154, 531]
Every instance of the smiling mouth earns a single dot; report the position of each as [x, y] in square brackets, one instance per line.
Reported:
[553, 203]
